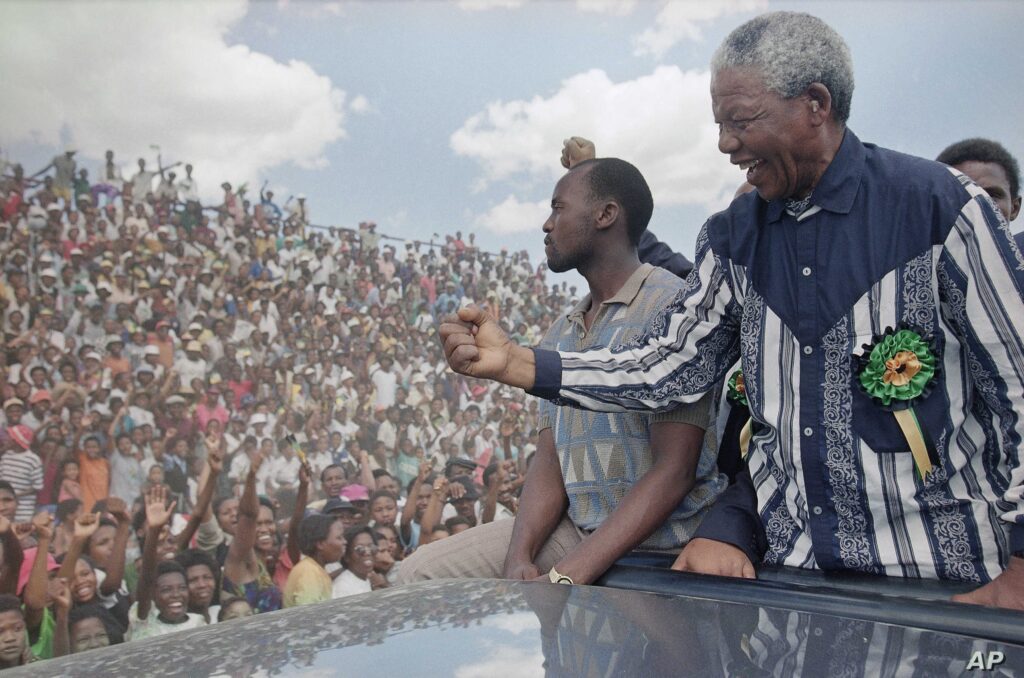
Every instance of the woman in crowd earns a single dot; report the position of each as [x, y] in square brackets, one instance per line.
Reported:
[322, 542]
[246, 574]
[359, 575]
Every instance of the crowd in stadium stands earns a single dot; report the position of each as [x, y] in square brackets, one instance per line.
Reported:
[196, 396]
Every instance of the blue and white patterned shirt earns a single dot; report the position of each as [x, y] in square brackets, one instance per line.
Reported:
[889, 238]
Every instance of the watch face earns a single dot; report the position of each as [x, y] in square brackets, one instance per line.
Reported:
[564, 580]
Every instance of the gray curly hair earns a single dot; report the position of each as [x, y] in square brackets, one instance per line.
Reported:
[792, 50]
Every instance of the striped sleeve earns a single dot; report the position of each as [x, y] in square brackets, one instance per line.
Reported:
[686, 350]
[987, 270]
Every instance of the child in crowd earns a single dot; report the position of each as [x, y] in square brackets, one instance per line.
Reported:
[70, 488]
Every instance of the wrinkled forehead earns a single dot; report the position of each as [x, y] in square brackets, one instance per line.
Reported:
[738, 88]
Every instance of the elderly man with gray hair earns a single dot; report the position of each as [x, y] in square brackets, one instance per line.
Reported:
[871, 298]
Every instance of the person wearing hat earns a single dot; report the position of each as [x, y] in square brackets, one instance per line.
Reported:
[14, 409]
[298, 212]
[23, 469]
[39, 408]
[151, 362]
[115, 362]
[163, 340]
[359, 496]
[343, 510]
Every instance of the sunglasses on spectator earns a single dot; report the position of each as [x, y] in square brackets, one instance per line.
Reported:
[365, 550]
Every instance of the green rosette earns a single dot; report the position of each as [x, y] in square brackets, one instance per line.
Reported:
[911, 378]
[898, 370]
[737, 390]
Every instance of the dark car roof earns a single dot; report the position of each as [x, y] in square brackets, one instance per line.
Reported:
[493, 628]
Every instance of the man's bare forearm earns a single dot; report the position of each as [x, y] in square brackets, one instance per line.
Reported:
[541, 506]
[645, 507]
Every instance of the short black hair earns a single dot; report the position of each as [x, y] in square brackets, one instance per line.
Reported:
[193, 557]
[455, 521]
[66, 508]
[350, 537]
[226, 604]
[618, 180]
[220, 502]
[265, 501]
[328, 468]
[4, 485]
[382, 493]
[429, 480]
[491, 469]
[10, 603]
[96, 611]
[169, 567]
[977, 149]
[314, 529]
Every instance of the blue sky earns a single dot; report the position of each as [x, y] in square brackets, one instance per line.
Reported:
[430, 117]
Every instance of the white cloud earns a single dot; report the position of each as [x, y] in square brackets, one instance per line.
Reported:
[515, 623]
[359, 104]
[660, 122]
[513, 216]
[482, 5]
[612, 7]
[311, 9]
[165, 76]
[681, 20]
[505, 661]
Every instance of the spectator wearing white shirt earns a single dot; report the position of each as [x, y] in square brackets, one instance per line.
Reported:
[385, 382]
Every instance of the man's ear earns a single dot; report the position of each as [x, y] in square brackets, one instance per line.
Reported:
[607, 215]
[1014, 208]
[820, 103]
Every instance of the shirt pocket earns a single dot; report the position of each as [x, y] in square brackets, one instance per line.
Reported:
[877, 427]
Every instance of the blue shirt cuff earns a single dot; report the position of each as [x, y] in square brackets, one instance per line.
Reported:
[547, 380]
[1017, 538]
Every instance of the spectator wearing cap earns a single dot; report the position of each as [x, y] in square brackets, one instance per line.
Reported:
[343, 510]
[14, 410]
[163, 340]
[176, 417]
[359, 496]
[23, 469]
[191, 366]
[39, 408]
[115, 362]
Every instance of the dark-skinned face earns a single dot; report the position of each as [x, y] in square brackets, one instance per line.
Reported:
[170, 595]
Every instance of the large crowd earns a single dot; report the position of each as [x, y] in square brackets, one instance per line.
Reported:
[198, 398]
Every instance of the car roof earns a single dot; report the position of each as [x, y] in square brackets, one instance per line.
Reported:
[497, 628]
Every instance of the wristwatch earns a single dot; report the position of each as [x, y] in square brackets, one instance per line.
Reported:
[556, 578]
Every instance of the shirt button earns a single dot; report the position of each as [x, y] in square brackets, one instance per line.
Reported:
[816, 510]
[808, 350]
[807, 270]
[808, 431]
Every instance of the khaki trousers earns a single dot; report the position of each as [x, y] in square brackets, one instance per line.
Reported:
[480, 552]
